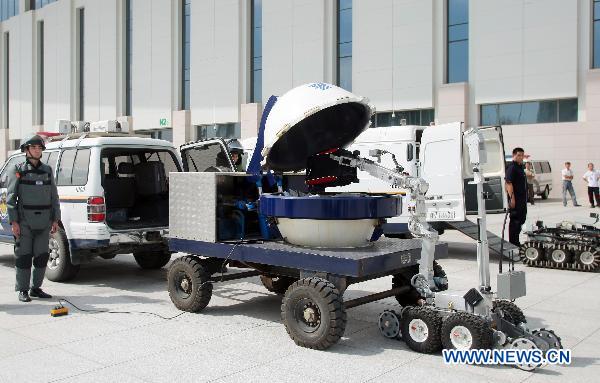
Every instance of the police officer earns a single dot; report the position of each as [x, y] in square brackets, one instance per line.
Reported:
[236, 150]
[33, 212]
[516, 188]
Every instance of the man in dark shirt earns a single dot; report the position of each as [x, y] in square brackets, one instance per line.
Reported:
[516, 188]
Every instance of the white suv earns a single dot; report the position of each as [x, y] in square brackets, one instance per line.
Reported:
[113, 191]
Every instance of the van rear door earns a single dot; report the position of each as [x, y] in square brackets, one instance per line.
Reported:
[441, 162]
[493, 171]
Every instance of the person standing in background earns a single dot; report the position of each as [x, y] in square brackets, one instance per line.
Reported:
[591, 177]
[530, 174]
[567, 179]
[516, 189]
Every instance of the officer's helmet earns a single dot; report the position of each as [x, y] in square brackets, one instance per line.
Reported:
[33, 140]
[235, 146]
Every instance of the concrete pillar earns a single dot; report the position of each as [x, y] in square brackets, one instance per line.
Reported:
[182, 127]
[452, 103]
[250, 119]
[4, 145]
[592, 96]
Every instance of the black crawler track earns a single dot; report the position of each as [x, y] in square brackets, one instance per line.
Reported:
[574, 248]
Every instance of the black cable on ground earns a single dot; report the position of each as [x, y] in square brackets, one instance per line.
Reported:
[63, 300]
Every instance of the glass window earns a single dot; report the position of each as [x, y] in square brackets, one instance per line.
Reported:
[166, 158]
[546, 167]
[65, 169]
[256, 48]
[80, 168]
[227, 130]
[10, 164]
[596, 35]
[457, 60]
[344, 44]
[52, 159]
[537, 167]
[411, 117]
[567, 110]
[206, 158]
[529, 112]
[489, 115]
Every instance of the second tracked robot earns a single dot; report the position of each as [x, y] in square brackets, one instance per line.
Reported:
[569, 246]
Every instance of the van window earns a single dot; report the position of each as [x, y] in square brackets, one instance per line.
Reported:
[10, 164]
[409, 152]
[73, 168]
[537, 167]
[546, 167]
[51, 159]
[166, 158]
[206, 158]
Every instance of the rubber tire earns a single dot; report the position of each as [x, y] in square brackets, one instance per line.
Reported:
[329, 302]
[512, 312]
[152, 260]
[546, 193]
[65, 270]
[432, 319]
[411, 298]
[201, 292]
[480, 330]
[277, 285]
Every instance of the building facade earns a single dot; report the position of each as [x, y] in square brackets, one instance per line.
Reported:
[188, 69]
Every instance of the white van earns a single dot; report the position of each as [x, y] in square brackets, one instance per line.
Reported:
[438, 155]
[113, 191]
[542, 184]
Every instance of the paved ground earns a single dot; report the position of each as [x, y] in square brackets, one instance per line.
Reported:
[239, 337]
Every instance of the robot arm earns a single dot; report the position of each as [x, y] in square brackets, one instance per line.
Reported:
[417, 224]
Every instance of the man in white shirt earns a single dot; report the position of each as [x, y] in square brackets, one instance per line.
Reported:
[591, 177]
[567, 177]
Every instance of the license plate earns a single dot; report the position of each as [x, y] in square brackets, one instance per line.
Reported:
[441, 215]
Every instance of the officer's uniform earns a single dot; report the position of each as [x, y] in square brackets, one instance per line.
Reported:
[515, 174]
[32, 201]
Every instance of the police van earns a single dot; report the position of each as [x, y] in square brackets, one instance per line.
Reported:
[113, 190]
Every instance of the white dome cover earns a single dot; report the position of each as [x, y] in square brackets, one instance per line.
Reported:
[298, 127]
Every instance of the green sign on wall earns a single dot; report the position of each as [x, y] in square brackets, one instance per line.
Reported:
[163, 122]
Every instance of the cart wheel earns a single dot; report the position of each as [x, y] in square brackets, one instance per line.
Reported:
[277, 285]
[421, 329]
[188, 283]
[313, 313]
[511, 311]
[466, 331]
[389, 324]
[531, 252]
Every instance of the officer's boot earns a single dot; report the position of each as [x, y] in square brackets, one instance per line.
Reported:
[39, 269]
[24, 296]
[37, 292]
[22, 283]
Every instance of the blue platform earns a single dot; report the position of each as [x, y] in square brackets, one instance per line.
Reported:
[384, 257]
[337, 206]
